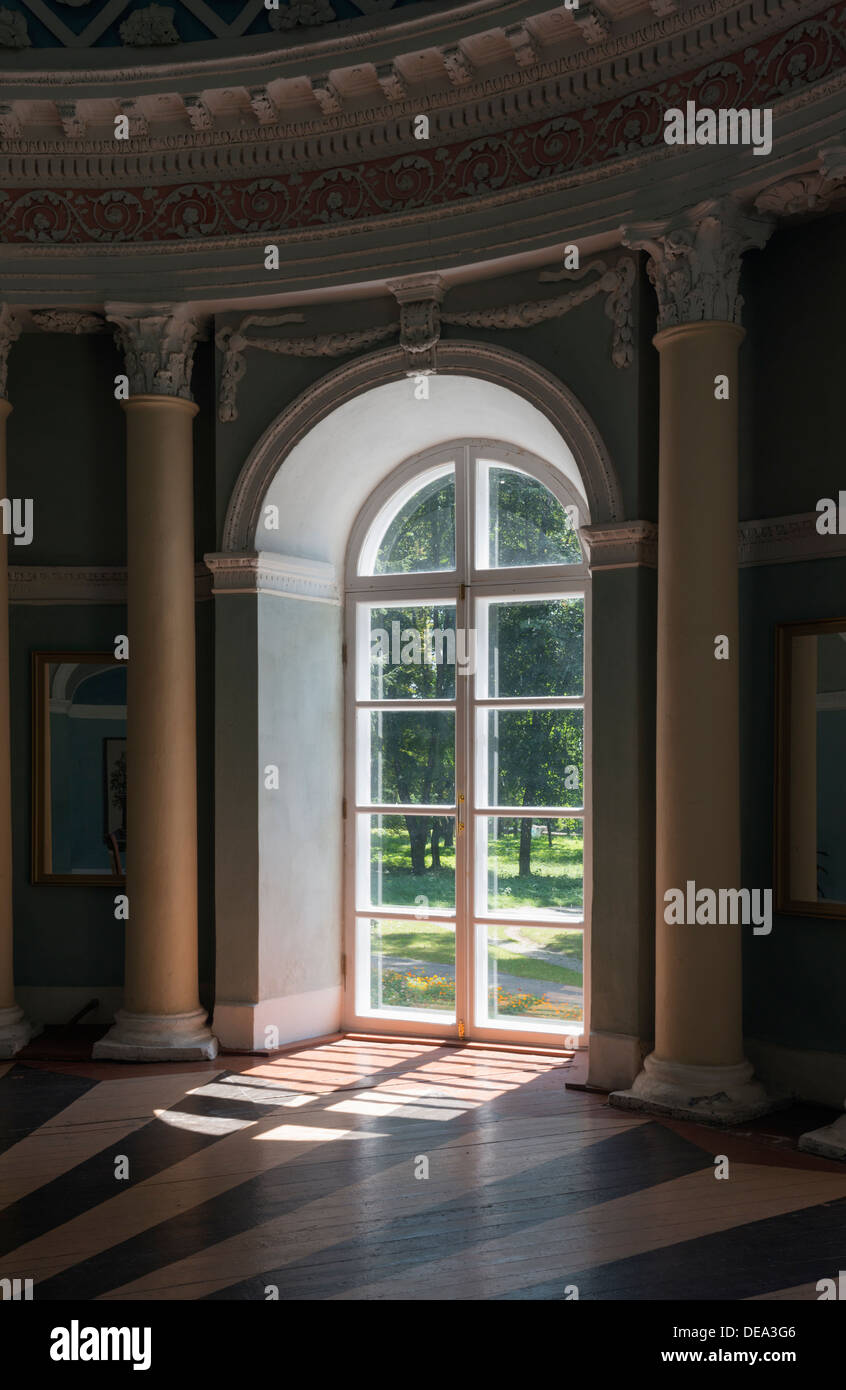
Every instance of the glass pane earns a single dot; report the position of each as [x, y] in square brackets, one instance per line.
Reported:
[536, 648]
[421, 536]
[412, 966]
[413, 652]
[412, 756]
[411, 861]
[534, 866]
[526, 524]
[535, 757]
[534, 974]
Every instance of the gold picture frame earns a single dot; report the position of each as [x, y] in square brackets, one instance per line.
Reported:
[797, 855]
[43, 666]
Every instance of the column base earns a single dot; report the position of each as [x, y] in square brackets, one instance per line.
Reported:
[828, 1142]
[15, 1031]
[157, 1038]
[708, 1095]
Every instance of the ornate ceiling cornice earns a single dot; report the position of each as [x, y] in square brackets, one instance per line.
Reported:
[208, 123]
[774, 72]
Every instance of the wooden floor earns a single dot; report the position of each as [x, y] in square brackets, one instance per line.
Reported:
[301, 1173]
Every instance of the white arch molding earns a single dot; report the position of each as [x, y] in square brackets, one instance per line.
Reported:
[367, 406]
[279, 637]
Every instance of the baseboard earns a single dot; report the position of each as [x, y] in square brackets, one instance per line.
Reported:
[269, 1024]
[819, 1077]
[614, 1060]
[59, 1003]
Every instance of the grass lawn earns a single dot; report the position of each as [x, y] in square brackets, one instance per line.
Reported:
[432, 944]
[555, 882]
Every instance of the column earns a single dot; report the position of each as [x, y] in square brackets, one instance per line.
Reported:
[162, 1019]
[697, 1068]
[15, 1030]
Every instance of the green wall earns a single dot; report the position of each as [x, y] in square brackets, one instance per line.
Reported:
[66, 451]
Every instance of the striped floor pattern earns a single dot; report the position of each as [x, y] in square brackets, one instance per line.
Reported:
[363, 1170]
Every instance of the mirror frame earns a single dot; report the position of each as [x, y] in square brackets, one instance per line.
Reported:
[41, 663]
[784, 903]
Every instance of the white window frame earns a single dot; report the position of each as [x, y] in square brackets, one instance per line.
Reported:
[466, 586]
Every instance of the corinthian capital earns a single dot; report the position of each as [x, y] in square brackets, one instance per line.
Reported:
[158, 343]
[9, 330]
[694, 260]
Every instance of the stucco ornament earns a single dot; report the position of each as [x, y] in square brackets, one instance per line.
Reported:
[13, 33]
[304, 12]
[694, 260]
[149, 28]
[158, 344]
[10, 331]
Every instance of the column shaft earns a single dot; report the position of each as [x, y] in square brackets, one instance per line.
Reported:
[698, 968]
[162, 1018]
[161, 939]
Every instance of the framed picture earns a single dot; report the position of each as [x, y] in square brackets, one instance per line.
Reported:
[79, 768]
[810, 764]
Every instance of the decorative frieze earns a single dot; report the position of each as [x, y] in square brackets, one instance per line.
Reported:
[158, 345]
[694, 260]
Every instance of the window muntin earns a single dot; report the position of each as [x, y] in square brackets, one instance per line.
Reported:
[496, 877]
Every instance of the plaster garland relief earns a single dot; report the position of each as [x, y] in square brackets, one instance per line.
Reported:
[418, 328]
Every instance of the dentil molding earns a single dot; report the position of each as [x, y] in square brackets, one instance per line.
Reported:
[81, 584]
[264, 572]
[621, 545]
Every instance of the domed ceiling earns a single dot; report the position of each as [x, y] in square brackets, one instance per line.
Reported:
[138, 23]
[389, 133]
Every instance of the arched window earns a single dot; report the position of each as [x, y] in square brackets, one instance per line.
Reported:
[466, 824]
